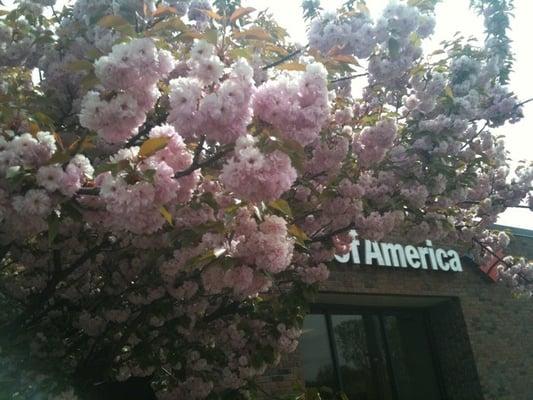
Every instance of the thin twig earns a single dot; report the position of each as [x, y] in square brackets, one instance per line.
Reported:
[469, 141]
[327, 236]
[194, 166]
[346, 78]
[523, 102]
[285, 58]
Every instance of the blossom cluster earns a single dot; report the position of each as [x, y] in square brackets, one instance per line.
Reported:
[297, 106]
[518, 276]
[387, 42]
[373, 142]
[136, 206]
[129, 76]
[351, 34]
[255, 176]
[221, 115]
[398, 52]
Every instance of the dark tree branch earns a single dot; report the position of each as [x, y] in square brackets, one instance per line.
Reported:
[197, 165]
[524, 102]
[347, 78]
[285, 58]
[328, 236]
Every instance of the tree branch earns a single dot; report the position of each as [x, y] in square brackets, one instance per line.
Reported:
[524, 102]
[346, 78]
[285, 58]
[197, 165]
[327, 236]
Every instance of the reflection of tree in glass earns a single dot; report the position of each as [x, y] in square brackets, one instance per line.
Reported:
[355, 370]
[351, 343]
[396, 351]
[324, 383]
[324, 377]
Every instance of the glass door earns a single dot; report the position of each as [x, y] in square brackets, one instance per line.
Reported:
[369, 356]
[410, 356]
[354, 357]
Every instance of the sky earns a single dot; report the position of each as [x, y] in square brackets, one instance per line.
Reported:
[452, 16]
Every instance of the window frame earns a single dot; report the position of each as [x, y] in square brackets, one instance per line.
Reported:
[367, 312]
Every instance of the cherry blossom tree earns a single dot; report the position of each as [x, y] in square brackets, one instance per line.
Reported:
[176, 177]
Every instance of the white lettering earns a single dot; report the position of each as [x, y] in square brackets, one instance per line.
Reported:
[393, 255]
[455, 261]
[432, 258]
[396, 255]
[412, 256]
[355, 251]
[423, 253]
[441, 261]
[373, 252]
[343, 258]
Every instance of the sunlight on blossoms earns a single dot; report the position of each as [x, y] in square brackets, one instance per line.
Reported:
[177, 177]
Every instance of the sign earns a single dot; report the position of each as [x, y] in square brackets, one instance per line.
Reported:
[368, 252]
[490, 267]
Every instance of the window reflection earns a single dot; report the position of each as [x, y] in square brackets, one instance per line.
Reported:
[370, 356]
[410, 355]
[354, 363]
[316, 354]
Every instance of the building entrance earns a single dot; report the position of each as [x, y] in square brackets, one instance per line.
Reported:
[370, 355]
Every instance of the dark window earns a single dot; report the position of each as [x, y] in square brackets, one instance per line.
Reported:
[316, 353]
[369, 355]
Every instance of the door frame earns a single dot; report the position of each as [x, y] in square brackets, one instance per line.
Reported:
[367, 312]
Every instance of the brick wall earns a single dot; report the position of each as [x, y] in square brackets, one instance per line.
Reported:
[499, 327]
[453, 352]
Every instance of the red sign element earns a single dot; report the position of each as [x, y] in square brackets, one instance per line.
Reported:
[490, 268]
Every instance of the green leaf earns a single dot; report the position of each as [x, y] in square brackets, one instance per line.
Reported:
[276, 49]
[201, 259]
[394, 48]
[281, 205]
[292, 66]
[59, 157]
[114, 168]
[211, 36]
[89, 81]
[107, 167]
[345, 58]
[14, 173]
[153, 145]
[239, 52]
[253, 33]
[43, 119]
[174, 24]
[448, 92]
[211, 14]
[112, 21]
[167, 215]
[240, 12]
[298, 233]
[72, 210]
[53, 227]
[79, 65]
[163, 10]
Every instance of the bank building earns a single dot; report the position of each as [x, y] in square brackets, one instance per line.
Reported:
[403, 322]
